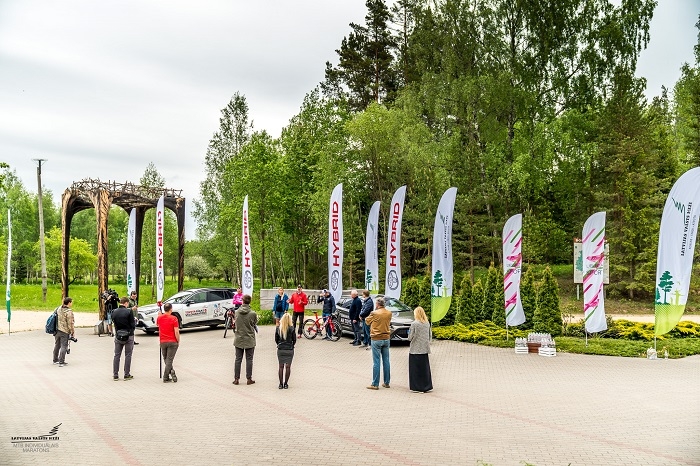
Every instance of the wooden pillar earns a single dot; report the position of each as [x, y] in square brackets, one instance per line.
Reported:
[138, 231]
[102, 200]
[66, 219]
[180, 214]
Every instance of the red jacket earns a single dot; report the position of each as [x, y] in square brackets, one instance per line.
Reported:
[299, 300]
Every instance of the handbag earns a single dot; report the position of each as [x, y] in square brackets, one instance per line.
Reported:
[123, 335]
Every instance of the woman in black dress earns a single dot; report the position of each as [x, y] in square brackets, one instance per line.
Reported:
[285, 339]
[420, 334]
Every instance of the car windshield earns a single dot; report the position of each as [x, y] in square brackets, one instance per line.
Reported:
[178, 298]
[395, 305]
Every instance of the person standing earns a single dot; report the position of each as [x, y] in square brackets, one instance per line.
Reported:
[280, 305]
[367, 307]
[354, 316]
[285, 339]
[244, 340]
[328, 309]
[299, 301]
[169, 333]
[380, 332]
[65, 328]
[237, 300]
[419, 334]
[134, 306]
[123, 320]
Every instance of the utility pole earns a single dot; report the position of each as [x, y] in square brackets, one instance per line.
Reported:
[41, 230]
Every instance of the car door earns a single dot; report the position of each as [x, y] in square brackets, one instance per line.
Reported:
[196, 308]
[218, 300]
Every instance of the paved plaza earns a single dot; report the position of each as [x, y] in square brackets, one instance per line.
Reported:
[489, 406]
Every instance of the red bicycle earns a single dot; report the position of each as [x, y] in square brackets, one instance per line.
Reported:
[230, 322]
[316, 326]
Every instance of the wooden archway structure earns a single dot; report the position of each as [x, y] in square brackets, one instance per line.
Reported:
[98, 195]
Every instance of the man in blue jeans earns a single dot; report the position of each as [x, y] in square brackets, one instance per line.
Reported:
[367, 307]
[379, 321]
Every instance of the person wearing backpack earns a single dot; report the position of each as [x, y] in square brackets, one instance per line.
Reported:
[64, 329]
[124, 327]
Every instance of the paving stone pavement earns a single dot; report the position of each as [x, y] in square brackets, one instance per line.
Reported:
[489, 406]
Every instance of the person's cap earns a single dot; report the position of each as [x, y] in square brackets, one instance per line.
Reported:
[325, 291]
[299, 286]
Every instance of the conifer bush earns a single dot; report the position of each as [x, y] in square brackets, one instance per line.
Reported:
[547, 318]
[528, 296]
[478, 301]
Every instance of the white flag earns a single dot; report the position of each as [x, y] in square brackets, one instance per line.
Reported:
[392, 285]
[160, 270]
[674, 265]
[512, 267]
[441, 286]
[593, 258]
[246, 257]
[335, 243]
[9, 266]
[130, 253]
[371, 254]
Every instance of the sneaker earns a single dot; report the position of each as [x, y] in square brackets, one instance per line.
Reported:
[172, 374]
[167, 380]
[386, 385]
[373, 387]
[353, 342]
[356, 344]
[116, 377]
[61, 364]
[128, 377]
[136, 342]
[55, 362]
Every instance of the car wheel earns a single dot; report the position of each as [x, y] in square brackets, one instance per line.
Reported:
[310, 329]
[179, 320]
[150, 332]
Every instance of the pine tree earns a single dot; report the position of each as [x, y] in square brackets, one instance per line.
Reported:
[498, 316]
[411, 293]
[490, 293]
[478, 301]
[528, 296]
[467, 313]
[547, 317]
[425, 295]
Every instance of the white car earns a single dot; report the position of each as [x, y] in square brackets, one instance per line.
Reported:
[193, 308]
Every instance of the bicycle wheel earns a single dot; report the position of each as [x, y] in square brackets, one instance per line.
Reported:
[227, 323]
[336, 330]
[310, 329]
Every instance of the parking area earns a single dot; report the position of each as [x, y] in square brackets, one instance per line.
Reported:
[489, 405]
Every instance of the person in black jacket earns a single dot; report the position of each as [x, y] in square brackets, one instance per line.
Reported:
[285, 339]
[367, 307]
[123, 319]
[328, 309]
[354, 316]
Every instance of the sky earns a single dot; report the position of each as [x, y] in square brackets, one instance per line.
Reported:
[101, 88]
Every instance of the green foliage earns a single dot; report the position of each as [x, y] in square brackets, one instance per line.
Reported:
[547, 316]
[467, 310]
[498, 316]
[478, 301]
[424, 294]
[677, 348]
[491, 295]
[197, 267]
[528, 296]
[476, 333]
[411, 293]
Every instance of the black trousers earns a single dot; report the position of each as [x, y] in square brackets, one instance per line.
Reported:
[300, 317]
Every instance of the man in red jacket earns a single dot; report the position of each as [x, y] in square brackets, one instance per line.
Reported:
[169, 333]
[299, 301]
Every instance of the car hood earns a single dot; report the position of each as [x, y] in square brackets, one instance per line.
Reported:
[148, 309]
[402, 318]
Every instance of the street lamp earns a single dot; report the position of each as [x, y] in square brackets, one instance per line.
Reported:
[41, 229]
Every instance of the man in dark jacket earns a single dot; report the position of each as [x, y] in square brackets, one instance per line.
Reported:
[367, 307]
[354, 316]
[328, 309]
[123, 319]
[244, 340]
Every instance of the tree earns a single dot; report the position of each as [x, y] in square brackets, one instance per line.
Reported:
[491, 293]
[196, 266]
[547, 316]
[467, 312]
[528, 297]
[437, 281]
[478, 301]
[411, 293]
[666, 284]
[498, 316]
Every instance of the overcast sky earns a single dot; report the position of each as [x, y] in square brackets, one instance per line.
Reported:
[102, 88]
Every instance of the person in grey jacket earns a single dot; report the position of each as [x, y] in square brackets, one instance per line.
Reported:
[420, 334]
[367, 307]
[244, 340]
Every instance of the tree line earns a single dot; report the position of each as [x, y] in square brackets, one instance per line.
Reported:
[522, 107]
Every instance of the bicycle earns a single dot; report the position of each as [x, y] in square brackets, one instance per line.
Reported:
[230, 321]
[315, 326]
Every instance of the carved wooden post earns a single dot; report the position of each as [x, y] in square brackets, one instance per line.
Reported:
[102, 200]
[138, 231]
[66, 218]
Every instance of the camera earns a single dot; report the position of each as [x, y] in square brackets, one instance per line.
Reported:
[111, 299]
[72, 338]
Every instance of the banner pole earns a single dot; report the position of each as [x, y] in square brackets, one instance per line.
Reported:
[586, 333]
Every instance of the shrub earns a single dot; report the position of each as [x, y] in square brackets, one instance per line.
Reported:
[498, 316]
[490, 292]
[547, 316]
[425, 293]
[475, 333]
[411, 292]
[467, 313]
[478, 301]
[528, 296]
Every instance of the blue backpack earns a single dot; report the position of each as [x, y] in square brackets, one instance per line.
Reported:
[52, 323]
